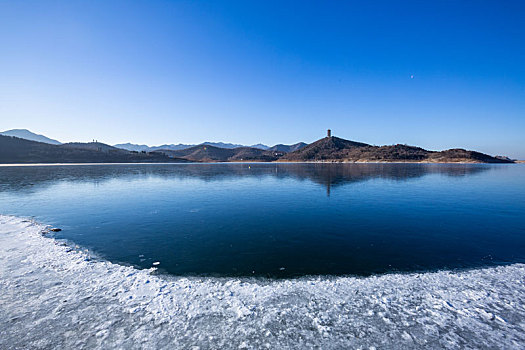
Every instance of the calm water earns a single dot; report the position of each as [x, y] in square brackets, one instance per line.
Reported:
[280, 220]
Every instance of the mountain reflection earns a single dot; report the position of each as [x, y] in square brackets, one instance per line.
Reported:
[30, 178]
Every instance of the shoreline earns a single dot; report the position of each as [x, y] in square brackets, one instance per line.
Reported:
[80, 302]
[249, 162]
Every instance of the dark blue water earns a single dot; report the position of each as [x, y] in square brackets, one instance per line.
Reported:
[280, 220]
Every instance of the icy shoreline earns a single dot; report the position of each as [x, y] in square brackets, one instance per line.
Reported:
[52, 297]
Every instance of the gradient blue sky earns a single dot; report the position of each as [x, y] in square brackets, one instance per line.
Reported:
[245, 72]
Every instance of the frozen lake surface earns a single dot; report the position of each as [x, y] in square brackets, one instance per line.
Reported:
[55, 297]
[263, 256]
[280, 220]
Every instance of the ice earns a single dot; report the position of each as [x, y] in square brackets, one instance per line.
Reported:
[54, 296]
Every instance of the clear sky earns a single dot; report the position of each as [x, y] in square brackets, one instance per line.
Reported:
[436, 74]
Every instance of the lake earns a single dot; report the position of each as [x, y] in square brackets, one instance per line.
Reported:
[279, 220]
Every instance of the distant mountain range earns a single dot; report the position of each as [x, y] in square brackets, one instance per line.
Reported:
[180, 146]
[207, 153]
[287, 148]
[17, 149]
[28, 135]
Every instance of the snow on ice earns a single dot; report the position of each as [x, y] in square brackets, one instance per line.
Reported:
[52, 296]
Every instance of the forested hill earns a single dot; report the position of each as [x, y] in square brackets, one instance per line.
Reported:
[17, 150]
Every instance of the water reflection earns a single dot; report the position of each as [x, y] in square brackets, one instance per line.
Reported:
[275, 219]
[26, 178]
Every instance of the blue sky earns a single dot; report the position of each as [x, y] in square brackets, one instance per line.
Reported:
[435, 74]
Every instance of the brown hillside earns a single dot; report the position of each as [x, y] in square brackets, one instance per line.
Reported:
[205, 153]
[334, 149]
